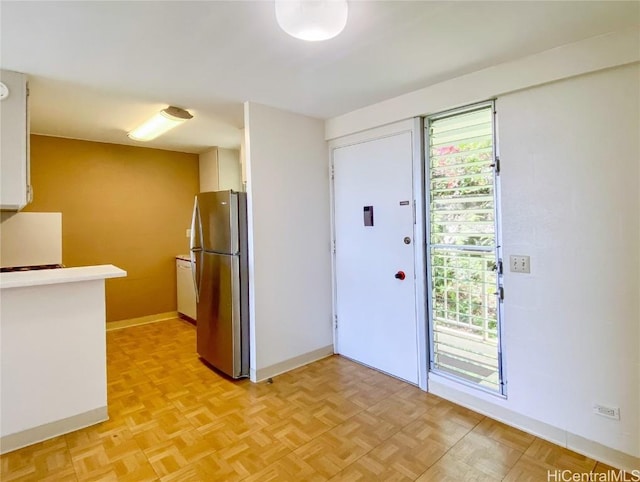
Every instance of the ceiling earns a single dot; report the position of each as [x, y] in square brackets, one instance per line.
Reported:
[98, 69]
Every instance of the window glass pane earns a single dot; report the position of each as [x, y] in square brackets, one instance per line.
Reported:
[462, 248]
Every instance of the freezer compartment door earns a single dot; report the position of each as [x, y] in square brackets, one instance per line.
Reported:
[218, 221]
[218, 330]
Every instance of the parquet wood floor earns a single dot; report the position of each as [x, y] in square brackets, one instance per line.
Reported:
[174, 419]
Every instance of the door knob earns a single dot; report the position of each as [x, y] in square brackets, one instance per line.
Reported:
[400, 275]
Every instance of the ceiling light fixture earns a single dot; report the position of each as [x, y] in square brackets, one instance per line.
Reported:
[312, 20]
[160, 123]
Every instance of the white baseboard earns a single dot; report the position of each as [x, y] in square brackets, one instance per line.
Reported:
[15, 441]
[543, 430]
[605, 454]
[143, 320]
[287, 365]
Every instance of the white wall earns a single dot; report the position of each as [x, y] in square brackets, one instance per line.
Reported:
[589, 55]
[243, 161]
[289, 237]
[570, 182]
[52, 361]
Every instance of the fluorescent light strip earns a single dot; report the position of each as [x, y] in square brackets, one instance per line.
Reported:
[160, 123]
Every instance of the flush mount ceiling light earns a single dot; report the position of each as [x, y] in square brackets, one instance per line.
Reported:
[312, 20]
[160, 123]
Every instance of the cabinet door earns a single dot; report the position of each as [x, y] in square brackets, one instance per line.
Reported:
[229, 170]
[209, 170]
[186, 290]
[220, 170]
[14, 149]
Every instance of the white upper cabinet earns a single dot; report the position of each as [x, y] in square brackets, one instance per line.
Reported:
[208, 162]
[229, 170]
[220, 170]
[15, 191]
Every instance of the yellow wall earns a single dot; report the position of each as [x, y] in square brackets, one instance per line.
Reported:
[121, 205]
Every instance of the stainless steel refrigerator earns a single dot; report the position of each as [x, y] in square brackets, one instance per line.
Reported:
[220, 275]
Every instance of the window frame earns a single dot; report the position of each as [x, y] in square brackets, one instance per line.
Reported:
[428, 120]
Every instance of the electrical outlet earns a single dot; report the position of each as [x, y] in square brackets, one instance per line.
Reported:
[188, 233]
[519, 264]
[609, 412]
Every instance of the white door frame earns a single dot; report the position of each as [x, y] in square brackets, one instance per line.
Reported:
[416, 128]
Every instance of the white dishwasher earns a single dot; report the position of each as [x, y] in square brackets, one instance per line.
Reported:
[186, 290]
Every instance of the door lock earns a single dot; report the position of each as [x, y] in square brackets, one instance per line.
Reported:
[400, 275]
[407, 240]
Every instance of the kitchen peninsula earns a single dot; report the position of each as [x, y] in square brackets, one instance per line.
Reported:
[53, 376]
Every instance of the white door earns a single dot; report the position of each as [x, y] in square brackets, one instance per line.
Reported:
[374, 265]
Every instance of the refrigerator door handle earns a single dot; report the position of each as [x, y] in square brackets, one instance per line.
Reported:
[192, 233]
[195, 222]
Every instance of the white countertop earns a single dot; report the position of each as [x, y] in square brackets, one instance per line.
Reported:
[19, 279]
[184, 256]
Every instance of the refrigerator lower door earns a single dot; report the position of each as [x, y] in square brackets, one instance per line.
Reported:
[218, 332]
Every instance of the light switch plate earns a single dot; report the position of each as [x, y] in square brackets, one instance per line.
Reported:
[519, 264]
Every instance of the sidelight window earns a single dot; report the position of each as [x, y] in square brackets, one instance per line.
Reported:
[463, 247]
